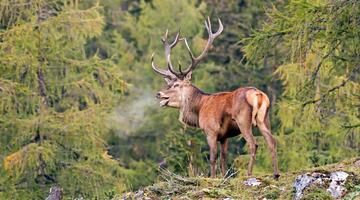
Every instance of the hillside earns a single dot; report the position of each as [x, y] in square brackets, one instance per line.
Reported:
[177, 187]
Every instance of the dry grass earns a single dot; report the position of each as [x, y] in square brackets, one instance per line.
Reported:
[177, 187]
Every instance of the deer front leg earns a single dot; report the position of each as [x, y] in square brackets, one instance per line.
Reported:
[212, 141]
[223, 155]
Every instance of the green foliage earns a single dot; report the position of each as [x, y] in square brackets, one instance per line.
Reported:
[272, 193]
[77, 91]
[317, 193]
[185, 152]
[353, 194]
[54, 102]
[140, 127]
[317, 45]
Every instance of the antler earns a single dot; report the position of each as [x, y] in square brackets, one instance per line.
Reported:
[170, 73]
[195, 60]
[165, 73]
[168, 48]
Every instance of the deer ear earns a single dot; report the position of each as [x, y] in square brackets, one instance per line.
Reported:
[188, 76]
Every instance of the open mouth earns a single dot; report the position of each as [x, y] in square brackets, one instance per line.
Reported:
[164, 101]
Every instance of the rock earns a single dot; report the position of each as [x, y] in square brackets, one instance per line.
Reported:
[336, 179]
[336, 187]
[252, 182]
[282, 189]
[55, 193]
[357, 163]
[301, 182]
[228, 198]
[139, 194]
[305, 180]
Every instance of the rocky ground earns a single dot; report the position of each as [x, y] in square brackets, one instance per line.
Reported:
[336, 181]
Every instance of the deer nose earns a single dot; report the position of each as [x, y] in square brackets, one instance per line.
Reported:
[158, 95]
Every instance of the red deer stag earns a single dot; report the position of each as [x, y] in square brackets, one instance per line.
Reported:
[220, 115]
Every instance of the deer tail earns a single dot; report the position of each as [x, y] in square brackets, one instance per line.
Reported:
[260, 104]
[265, 103]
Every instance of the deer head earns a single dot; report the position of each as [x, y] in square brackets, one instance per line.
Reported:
[178, 83]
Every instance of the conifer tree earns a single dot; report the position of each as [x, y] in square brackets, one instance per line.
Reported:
[316, 44]
[55, 102]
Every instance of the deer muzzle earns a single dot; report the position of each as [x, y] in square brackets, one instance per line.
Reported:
[164, 99]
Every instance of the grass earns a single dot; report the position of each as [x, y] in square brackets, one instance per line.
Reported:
[177, 187]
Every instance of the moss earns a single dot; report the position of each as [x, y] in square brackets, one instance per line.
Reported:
[353, 194]
[272, 193]
[216, 192]
[349, 161]
[352, 181]
[290, 195]
[209, 182]
[317, 193]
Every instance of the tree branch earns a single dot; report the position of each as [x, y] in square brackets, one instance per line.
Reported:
[321, 61]
[350, 77]
[351, 126]
[41, 81]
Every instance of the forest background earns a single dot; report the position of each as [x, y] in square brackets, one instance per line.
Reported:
[77, 93]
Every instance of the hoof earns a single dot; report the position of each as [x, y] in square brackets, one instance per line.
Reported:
[276, 176]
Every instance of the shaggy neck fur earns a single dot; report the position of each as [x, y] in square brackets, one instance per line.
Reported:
[190, 106]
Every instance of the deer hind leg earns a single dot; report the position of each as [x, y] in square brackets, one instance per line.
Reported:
[212, 141]
[223, 155]
[271, 143]
[246, 131]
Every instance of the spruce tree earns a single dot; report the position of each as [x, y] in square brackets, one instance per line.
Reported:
[55, 102]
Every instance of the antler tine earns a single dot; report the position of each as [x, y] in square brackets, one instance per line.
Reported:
[208, 25]
[171, 73]
[221, 28]
[176, 40]
[160, 71]
[195, 60]
[168, 48]
[189, 50]
[164, 39]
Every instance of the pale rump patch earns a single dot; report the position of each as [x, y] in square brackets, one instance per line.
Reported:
[259, 102]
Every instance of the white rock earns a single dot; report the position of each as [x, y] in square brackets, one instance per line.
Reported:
[252, 182]
[339, 176]
[301, 182]
[336, 187]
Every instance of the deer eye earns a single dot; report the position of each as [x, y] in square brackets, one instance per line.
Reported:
[176, 85]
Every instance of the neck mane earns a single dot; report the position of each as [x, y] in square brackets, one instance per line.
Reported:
[190, 106]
